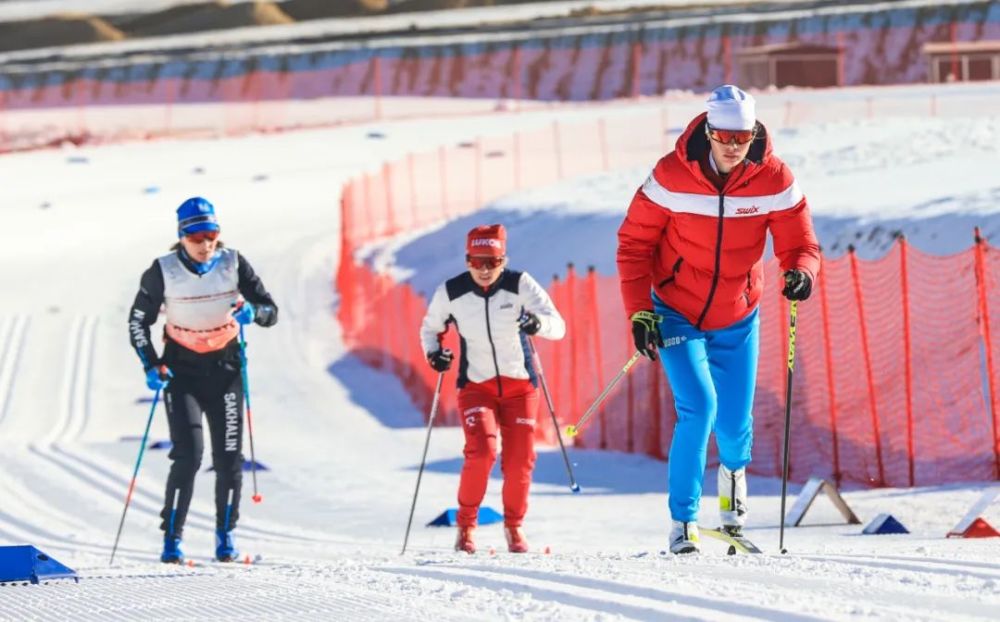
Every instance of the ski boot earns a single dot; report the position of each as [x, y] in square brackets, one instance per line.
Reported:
[172, 553]
[465, 540]
[516, 542]
[733, 500]
[225, 547]
[684, 538]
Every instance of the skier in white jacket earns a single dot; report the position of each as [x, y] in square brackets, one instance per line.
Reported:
[495, 311]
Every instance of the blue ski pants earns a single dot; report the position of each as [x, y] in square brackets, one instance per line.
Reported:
[713, 374]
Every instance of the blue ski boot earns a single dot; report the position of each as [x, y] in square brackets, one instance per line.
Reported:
[225, 548]
[172, 553]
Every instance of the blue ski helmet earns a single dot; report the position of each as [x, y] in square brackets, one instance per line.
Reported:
[194, 215]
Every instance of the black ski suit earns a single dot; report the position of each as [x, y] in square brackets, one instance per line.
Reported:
[203, 382]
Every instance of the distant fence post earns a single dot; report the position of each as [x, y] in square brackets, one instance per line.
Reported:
[907, 352]
[869, 374]
[987, 336]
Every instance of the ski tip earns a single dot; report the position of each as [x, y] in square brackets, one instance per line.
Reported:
[258, 498]
[493, 551]
[548, 550]
[247, 560]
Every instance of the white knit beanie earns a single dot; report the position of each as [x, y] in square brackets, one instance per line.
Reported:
[731, 108]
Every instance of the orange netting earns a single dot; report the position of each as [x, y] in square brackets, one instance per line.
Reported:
[895, 370]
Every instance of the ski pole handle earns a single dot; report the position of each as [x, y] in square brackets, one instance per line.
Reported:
[573, 430]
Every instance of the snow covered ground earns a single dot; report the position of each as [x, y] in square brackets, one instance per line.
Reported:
[343, 442]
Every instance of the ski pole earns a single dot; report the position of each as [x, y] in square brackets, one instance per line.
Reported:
[793, 315]
[552, 411]
[135, 474]
[573, 430]
[257, 498]
[423, 460]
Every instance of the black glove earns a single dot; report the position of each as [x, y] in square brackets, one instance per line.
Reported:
[798, 285]
[646, 333]
[441, 360]
[529, 323]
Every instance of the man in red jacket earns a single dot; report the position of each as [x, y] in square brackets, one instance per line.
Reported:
[690, 259]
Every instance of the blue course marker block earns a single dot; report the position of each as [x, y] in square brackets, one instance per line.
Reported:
[883, 524]
[449, 518]
[26, 563]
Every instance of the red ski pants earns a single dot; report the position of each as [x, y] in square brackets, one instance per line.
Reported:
[484, 413]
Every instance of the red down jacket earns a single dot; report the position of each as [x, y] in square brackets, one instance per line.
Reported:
[701, 250]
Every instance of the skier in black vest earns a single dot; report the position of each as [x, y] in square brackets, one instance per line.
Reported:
[206, 292]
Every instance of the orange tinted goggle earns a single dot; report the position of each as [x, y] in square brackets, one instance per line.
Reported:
[203, 236]
[726, 137]
[484, 262]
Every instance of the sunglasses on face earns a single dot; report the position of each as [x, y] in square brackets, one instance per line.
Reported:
[203, 236]
[727, 137]
[484, 262]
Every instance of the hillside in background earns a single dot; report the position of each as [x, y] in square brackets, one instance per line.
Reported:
[55, 23]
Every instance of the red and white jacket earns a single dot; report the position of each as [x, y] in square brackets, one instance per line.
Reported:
[492, 344]
[701, 249]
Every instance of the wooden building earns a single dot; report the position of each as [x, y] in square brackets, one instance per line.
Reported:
[962, 61]
[790, 64]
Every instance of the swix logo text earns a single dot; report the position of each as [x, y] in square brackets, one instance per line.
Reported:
[743, 211]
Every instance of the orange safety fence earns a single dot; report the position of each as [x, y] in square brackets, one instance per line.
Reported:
[895, 380]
